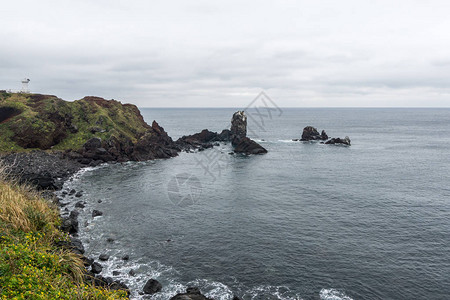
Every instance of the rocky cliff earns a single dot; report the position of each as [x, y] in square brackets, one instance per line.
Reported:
[91, 129]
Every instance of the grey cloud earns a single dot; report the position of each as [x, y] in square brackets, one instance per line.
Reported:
[219, 53]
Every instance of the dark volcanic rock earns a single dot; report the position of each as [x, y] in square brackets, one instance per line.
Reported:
[107, 282]
[96, 268]
[344, 141]
[103, 257]
[204, 136]
[192, 293]
[311, 134]
[80, 204]
[93, 144]
[87, 261]
[152, 286]
[96, 213]
[238, 135]
[77, 246]
[155, 144]
[202, 140]
[248, 146]
[44, 170]
[238, 127]
[118, 285]
[74, 245]
[70, 223]
[224, 136]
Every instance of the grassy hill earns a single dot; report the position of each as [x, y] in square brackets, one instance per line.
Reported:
[35, 121]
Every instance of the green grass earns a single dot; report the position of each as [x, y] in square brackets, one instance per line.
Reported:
[31, 266]
[46, 122]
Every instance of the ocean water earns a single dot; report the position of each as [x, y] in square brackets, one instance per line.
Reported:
[304, 221]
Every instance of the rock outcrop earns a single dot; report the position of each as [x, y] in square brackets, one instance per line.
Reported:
[248, 146]
[154, 144]
[345, 141]
[311, 134]
[203, 140]
[238, 135]
[152, 286]
[238, 127]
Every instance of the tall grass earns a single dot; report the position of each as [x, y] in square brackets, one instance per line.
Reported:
[31, 265]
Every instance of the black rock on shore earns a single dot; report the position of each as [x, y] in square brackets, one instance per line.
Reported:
[42, 169]
[192, 293]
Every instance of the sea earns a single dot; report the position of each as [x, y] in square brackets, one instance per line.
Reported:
[304, 221]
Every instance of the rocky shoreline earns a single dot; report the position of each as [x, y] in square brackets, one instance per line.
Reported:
[49, 170]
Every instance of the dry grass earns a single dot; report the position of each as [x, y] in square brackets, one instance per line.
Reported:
[22, 208]
[31, 265]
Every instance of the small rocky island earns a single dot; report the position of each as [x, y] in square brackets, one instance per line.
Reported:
[310, 133]
[237, 135]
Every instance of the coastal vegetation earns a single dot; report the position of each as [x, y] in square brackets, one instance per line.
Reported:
[35, 121]
[32, 265]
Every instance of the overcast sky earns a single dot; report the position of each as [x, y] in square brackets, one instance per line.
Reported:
[223, 53]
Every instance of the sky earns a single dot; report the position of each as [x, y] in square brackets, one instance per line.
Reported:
[208, 53]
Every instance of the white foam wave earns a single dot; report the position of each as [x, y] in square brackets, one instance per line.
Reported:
[333, 294]
[266, 291]
[287, 141]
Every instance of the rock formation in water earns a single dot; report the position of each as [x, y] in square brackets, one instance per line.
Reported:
[311, 134]
[202, 140]
[192, 293]
[152, 287]
[238, 129]
[238, 135]
[344, 141]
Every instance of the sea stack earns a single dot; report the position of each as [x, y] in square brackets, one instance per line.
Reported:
[238, 127]
[239, 139]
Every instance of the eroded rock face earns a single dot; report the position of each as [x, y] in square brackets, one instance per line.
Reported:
[248, 146]
[311, 134]
[155, 144]
[238, 127]
[203, 140]
[199, 140]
